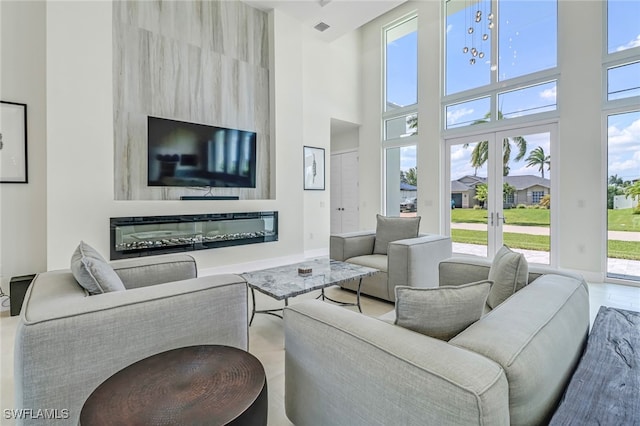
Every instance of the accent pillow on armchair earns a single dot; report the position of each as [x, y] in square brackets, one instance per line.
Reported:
[390, 229]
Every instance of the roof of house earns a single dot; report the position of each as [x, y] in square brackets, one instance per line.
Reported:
[527, 181]
[406, 187]
[521, 183]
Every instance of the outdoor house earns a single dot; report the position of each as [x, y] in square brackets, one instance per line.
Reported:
[529, 190]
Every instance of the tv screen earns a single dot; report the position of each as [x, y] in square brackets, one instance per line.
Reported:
[191, 154]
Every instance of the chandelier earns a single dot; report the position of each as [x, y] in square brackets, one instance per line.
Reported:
[478, 21]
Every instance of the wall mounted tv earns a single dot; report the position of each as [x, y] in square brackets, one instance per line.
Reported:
[198, 155]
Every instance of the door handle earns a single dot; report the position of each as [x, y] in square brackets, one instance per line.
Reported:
[504, 219]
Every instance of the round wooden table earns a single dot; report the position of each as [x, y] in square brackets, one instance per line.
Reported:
[196, 385]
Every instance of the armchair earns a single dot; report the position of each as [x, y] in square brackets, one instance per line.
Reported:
[411, 261]
[67, 342]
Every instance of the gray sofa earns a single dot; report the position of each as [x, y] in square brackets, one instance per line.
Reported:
[67, 342]
[411, 261]
[510, 367]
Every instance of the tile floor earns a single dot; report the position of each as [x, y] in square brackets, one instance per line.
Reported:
[267, 340]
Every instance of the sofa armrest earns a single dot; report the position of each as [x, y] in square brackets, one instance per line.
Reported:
[67, 343]
[370, 372]
[460, 270]
[414, 261]
[148, 271]
[351, 244]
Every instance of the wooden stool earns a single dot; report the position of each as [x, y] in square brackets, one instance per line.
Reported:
[196, 385]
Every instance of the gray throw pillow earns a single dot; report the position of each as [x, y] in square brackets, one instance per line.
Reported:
[509, 273]
[93, 272]
[390, 229]
[441, 312]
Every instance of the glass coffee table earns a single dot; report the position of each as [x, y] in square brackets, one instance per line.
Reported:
[283, 282]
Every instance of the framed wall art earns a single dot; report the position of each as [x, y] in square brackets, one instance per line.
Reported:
[13, 142]
[313, 168]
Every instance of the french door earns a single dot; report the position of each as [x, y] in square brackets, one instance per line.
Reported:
[500, 188]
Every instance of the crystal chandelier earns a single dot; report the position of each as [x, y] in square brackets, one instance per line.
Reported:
[478, 19]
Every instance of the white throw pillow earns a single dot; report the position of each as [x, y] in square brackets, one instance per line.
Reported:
[441, 312]
[509, 273]
[93, 272]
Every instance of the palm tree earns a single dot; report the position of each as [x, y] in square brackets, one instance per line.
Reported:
[538, 158]
[411, 176]
[480, 153]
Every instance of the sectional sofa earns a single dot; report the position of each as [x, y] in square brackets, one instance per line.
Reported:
[509, 367]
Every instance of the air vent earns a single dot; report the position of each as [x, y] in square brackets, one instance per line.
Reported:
[321, 27]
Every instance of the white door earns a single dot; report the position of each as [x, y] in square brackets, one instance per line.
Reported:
[344, 192]
[500, 184]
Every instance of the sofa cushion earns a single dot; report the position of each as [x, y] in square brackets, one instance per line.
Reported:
[93, 272]
[441, 312]
[509, 273]
[376, 261]
[390, 229]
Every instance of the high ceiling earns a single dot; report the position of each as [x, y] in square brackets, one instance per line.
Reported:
[342, 16]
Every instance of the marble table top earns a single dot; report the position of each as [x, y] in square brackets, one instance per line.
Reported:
[283, 282]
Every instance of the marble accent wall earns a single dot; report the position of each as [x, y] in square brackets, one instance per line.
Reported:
[198, 61]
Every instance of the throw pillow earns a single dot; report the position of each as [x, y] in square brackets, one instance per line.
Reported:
[441, 312]
[93, 272]
[390, 229]
[509, 273]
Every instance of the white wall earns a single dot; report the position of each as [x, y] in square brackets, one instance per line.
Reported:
[22, 79]
[580, 202]
[331, 90]
[347, 140]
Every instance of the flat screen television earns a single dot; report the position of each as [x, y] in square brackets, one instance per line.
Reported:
[198, 155]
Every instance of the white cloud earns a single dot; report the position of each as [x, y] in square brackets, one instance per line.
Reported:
[454, 116]
[624, 150]
[633, 43]
[449, 27]
[549, 94]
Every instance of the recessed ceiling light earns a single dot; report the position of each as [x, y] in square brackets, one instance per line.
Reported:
[321, 26]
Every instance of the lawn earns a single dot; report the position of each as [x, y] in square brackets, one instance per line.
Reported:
[616, 249]
[618, 220]
[523, 217]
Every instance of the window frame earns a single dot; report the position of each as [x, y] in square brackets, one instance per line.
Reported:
[495, 87]
[399, 142]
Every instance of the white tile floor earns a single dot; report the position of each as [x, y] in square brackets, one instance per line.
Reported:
[267, 340]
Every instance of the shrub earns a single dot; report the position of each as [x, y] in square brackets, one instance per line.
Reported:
[521, 206]
[546, 201]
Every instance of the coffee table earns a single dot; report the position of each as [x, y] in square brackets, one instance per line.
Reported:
[194, 385]
[284, 282]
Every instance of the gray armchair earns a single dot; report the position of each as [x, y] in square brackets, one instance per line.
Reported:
[412, 261]
[67, 342]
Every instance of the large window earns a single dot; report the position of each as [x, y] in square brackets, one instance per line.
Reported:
[500, 60]
[622, 106]
[400, 116]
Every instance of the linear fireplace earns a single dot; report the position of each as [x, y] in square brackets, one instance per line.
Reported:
[152, 235]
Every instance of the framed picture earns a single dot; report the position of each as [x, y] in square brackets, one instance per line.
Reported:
[313, 168]
[13, 142]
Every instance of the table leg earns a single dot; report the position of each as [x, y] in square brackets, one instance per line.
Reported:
[358, 295]
[253, 307]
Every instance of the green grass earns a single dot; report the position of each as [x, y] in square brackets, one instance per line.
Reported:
[623, 220]
[618, 220]
[523, 217]
[616, 249]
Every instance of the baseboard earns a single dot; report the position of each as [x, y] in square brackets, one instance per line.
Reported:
[309, 254]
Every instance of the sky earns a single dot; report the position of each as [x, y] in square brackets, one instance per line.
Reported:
[523, 49]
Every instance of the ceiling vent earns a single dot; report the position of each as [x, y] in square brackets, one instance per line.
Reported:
[321, 27]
